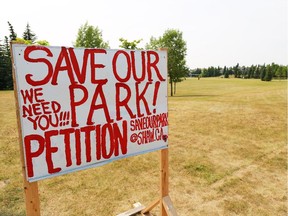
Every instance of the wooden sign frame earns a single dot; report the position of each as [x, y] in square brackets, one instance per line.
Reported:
[166, 205]
[32, 200]
[31, 194]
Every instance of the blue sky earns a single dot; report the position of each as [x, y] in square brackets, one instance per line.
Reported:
[217, 32]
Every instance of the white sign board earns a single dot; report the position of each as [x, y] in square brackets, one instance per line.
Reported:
[81, 108]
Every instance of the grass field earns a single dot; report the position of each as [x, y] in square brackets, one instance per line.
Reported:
[228, 156]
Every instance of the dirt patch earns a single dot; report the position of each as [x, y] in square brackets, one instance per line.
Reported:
[3, 184]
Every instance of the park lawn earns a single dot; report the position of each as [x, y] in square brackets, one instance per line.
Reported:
[228, 156]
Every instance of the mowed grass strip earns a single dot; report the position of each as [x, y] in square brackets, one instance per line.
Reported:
[228, 156]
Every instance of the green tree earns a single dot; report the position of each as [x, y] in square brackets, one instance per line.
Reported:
[268, 73]
[284, 71]
[129, 45]
[274, 68]
[42, 42]
[236, 71]
[154, 43]
[225, 72]
[262, 72]
[251, 71]
[6, 82]
[90, 37]
[28, 35]
[23, 41]
[281, 72]
[204, 72]
[256, 72]
[2, 66]
[172, 40]
[278, 72]
[13, 34]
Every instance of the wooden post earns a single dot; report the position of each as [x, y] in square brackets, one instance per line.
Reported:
[32, 200]
[166, 205]
[164, 184]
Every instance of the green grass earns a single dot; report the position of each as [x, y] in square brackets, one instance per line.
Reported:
[227, 151]
[203, 171]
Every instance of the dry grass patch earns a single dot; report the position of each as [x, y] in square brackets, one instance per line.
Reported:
[228, 156]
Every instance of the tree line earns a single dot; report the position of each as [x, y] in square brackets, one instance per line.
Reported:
[28, 37]
[91, 37]
[263, 72]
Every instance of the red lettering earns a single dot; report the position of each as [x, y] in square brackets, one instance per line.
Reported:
[45, 107]
[99, 92]
[87, 130]
[41, 108]
[66, 133]
[81, 76]
[153, 64]
[32, 94]
[27, 95]
[36, 109]
[94, 66]
[28, 151]
[74, 103]
[116, 139]
[63, 57]
[56, 118]
[141, 97]
[109, 140]
[98, 141]
[106, 155]
[28, 77]
[50, 150]
[43, 122]
[27, 110]
[34, 121]
[78, 147]
[114, 64]
[38, 92]
[142, 77]
[124, 102]
[55, 106]
[120, 139]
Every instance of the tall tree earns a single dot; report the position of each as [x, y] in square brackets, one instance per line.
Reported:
[268, 74]
[13, 34]
[172, 39]
[236, 71]
[6, 82]
[284, 71]
[2, 66]
[90, 37]
[225, 72]
[6, 65]
[28, 34]
[262, 72]
[256, 72]
[129, 45]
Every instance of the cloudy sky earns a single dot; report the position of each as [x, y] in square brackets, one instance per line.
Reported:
[217, 32]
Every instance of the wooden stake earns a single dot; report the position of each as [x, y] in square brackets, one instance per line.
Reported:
[169, 208]
[151, 206]
[31, 189]
[164, 184]
[166, 205]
